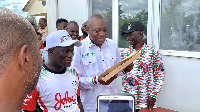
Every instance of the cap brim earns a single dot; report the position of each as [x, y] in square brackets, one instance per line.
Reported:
[126, 32]
[67, 43]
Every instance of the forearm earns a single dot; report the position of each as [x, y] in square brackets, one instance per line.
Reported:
[88, 82]
[80, 105]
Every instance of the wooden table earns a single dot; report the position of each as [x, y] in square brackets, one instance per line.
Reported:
[159, 109]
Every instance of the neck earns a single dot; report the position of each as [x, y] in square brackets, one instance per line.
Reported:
[138, 46]
[43, 27]
[11, 92]
[84, 36]
[54, 67]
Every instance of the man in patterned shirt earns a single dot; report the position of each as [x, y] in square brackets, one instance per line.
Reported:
[144, 81]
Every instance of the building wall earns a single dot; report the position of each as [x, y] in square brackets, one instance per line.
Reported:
[180, 91]
[67, 9]
[36, 9]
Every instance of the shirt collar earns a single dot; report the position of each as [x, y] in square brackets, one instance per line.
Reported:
[131, 47]
[92, 44]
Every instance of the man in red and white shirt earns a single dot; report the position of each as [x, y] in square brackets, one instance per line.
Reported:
[58, 85]
[145, 80]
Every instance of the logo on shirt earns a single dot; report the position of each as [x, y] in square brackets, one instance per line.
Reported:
[65, 102]
[27, 99]
[75, 84]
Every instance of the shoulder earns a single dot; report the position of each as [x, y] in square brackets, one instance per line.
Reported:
[151, 50]
[109, 41]
[70, 70]
[44, 73]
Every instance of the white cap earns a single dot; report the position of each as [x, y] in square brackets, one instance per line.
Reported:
[60, 38]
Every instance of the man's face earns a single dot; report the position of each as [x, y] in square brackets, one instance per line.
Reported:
[97, 31]
[62, 26]
[73, 31]
[42, 23]
[63, 56]
[133, 37]
[83, 28]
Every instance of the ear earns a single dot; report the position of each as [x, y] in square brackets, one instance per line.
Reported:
[50, 51]
[87, 29]
[141, 34]
[24, 57]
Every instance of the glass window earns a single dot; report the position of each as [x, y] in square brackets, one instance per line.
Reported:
[130, 11]
[180, 25]
[104, 8]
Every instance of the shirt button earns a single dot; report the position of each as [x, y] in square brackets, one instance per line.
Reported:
[89, 62]
[100, 50]
[103, 60]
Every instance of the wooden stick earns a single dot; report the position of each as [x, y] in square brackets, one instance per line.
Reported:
[120, 66]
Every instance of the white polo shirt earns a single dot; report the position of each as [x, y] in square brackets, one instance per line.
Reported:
[91, 61]
[58, 90]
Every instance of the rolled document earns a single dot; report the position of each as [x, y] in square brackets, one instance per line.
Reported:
[120, 66]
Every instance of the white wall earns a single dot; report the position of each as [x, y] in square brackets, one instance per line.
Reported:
[181, 88]
[72, 10]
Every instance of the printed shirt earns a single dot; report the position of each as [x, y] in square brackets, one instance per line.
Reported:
[146, 77]
[30, 101]
[91, 61]
[58, 91]
[44, 32]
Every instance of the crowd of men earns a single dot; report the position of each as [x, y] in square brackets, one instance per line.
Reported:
[70, 79]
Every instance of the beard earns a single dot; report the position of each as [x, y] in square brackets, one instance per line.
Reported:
[31, 82]
[84, 33]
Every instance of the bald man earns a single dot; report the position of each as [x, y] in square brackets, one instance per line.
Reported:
[20, 60]
[96, 54]
[73, 29]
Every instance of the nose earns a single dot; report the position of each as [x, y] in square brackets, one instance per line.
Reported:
[71, 54]
[102, 33]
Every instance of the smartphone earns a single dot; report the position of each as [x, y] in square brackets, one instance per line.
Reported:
[121, 102]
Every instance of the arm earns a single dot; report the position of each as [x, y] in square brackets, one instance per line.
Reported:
[80, 104]
[158, 75]
[78, 97]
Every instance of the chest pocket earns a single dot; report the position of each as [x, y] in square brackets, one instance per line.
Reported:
[90, 65]
[110, 59]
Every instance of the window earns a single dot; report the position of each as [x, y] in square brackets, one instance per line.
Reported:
[104, 8]
[180, 25]
[129, 11]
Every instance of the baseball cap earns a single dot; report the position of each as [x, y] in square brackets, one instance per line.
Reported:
[32, 21]
[60, 38]
[133, 26]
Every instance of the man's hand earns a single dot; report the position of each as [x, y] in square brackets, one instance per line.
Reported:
[129, 68]
[100, 80]
[150, 102]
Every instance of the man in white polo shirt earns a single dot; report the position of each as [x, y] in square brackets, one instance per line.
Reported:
[58, 86]
[95, 56]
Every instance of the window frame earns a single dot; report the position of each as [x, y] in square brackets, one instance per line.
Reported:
[175, 53]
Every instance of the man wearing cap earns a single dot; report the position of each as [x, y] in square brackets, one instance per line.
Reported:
[58, 85]
[148, 72]
[95, 56]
